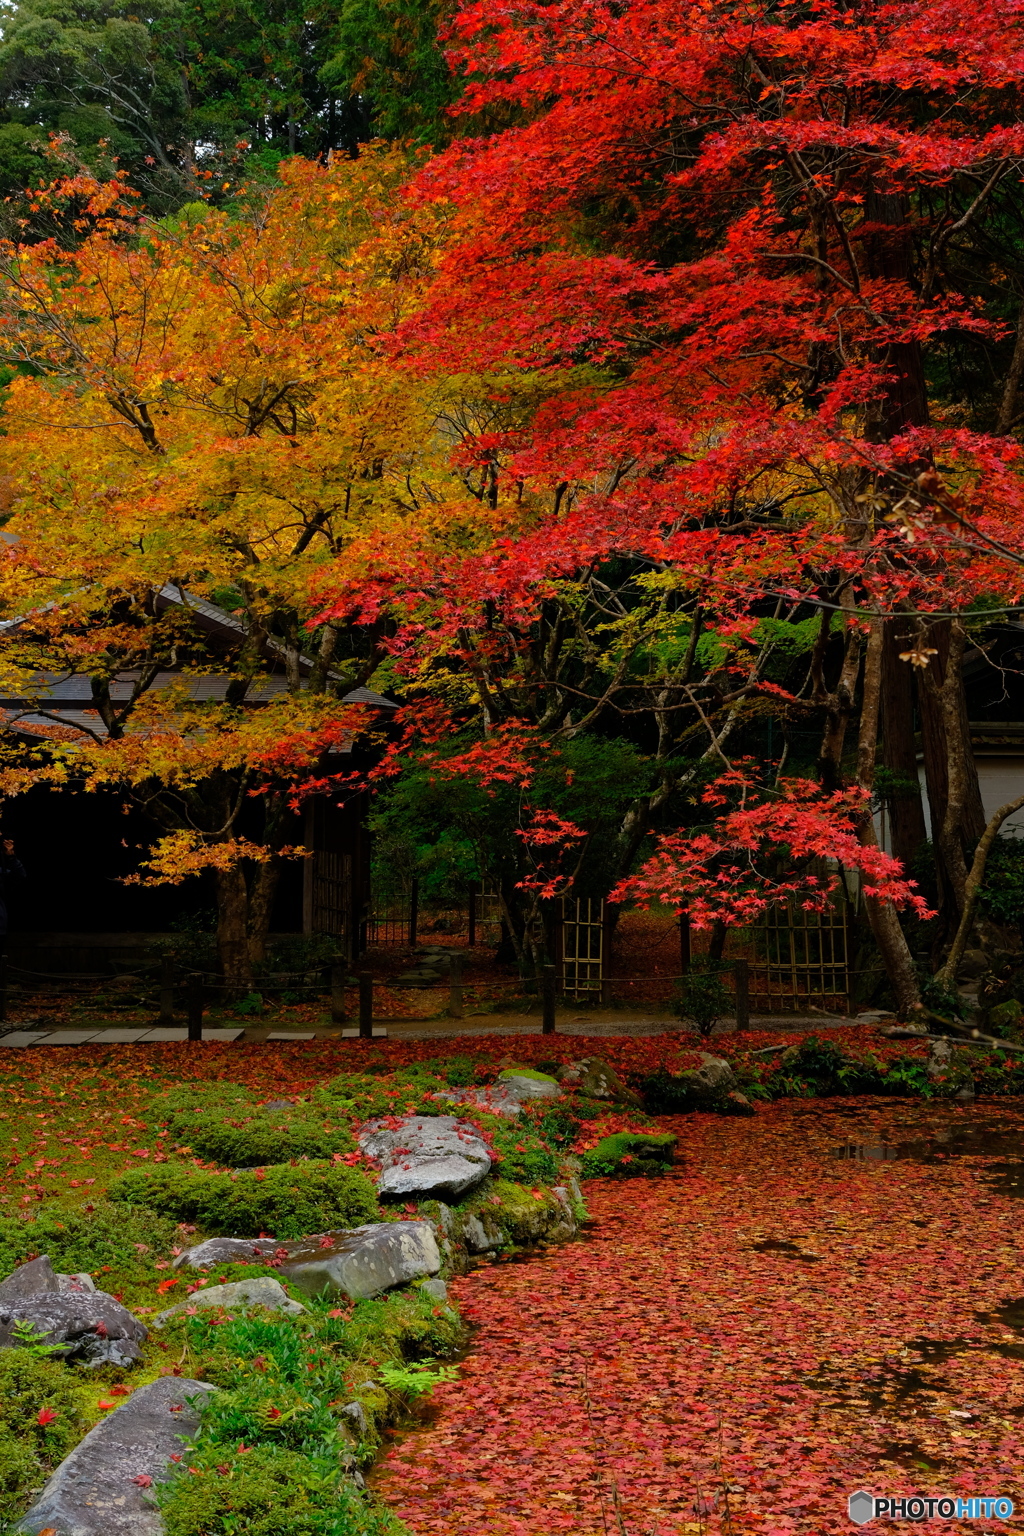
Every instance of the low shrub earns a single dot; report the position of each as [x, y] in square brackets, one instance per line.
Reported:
[285, 1200]
[33, 1389]
[629, 1154]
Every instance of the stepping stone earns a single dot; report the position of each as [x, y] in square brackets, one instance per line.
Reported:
[119, 1036]
[220, 1034]
[164, 1034]
[21, 1037]
[69, 1037]
[100, 1489]
[353, 1034]
[282, 1035]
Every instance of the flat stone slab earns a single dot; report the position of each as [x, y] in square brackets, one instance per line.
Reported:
[22, 1037]
[96, 1490]
[168, 1034]
[220, 1034]
[228, 1250]
[89, 1326]
[261, 1292]
[70, 1037]
[363, 1261]
[119, 1036]
[284, 1035]
[353, 1034]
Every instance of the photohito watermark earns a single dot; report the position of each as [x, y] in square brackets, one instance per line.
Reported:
[864, 1506]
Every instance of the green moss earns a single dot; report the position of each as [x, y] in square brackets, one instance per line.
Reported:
[284, 1200]
[107, 1237]
[226, 1124]
[629, 1154]
[268, 1491]
[29, 1450]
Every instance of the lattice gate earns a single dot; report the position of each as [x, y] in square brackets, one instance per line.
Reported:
[801, 959]
[582, 945]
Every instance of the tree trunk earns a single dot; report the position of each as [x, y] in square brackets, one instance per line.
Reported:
[882, 915]
[951, 775]
[907, 830]
[261, 902]
[947, 975]
[233, 929]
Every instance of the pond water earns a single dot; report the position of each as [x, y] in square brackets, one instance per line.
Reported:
[738, 1346]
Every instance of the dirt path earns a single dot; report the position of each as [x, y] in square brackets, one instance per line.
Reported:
[738, 1347]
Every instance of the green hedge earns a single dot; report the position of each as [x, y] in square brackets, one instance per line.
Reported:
[285, 1200]
[77, 1239]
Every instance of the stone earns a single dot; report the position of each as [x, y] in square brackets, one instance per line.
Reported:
[496, 1101]
[95, 1491]
[89, 1326]
[261, 1292]
[478, 1238]
[36, 1278]
[523, 1087]
[738, 1103]
[227, 1250]
[435, 1288]
[363, 1261]
[77, 1282]
[429, 1157]
[974, 964]
[600, 1081]
[355, 1413]
[431, 1178]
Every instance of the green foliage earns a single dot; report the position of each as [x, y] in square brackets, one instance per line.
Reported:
[1002, 889]
[825, 1068]
[285, 1200]
[629, 1154]
[537, 1077]
[78, 1240]
[29, 1450]
[260, 1137]
[1005, 1021]
[282, 1384]
[391, 53]
[557, 1126]
[418, 1379]
[943, 1000]
[32, 1340]
[703, 995]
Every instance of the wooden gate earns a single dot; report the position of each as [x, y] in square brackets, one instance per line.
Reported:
[582, 945]
[801, 961]
[394, 920]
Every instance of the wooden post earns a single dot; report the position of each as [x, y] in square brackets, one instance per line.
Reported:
[195, 1007]
[365, 1005]
[338, 974]
[3, 987]
[414, 912]
[455, 987]
[472, 916]
[684, 943]
[741, 975]
[167, 990]
[547, 992]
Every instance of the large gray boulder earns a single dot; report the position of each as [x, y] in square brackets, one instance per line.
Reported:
[426, 1157]
[89, 1326]
[363, 1261]
[101, 1488]
[36, 1278]
[261, 1292]
[228, 1250]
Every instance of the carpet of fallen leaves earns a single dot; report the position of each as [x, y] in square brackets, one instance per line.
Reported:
[735, 1348]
